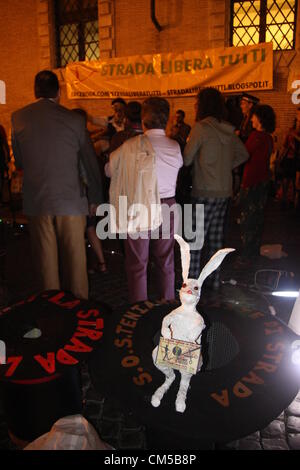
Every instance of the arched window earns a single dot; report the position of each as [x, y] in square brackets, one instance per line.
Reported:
[254, 21]
[76, 31]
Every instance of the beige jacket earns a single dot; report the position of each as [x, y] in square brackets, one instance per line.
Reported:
[214, 150]
[134, 196]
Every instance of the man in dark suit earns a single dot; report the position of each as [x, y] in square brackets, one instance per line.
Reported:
[247, 104]
[47, 140]
[180, 130]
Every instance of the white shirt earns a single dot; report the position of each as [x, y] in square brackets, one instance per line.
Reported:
[103, 121]
[168, 161]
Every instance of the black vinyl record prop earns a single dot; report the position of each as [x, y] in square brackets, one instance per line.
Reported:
[45, 337]
[246, 381]
[69, 330]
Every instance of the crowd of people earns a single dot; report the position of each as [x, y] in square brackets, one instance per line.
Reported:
[73, 162]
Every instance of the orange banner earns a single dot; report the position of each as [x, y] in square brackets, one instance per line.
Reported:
[232, 69]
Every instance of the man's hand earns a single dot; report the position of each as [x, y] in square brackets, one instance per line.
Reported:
[92, 209]
[174, 131]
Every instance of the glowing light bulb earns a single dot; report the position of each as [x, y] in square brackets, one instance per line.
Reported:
[286, 293]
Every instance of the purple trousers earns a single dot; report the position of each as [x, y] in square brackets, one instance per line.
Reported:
[137, 254]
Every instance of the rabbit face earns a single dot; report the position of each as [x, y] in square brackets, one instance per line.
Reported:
[189, 292]
[191, 288]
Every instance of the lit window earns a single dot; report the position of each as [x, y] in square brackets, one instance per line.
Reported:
[76, 31]
[255, 21]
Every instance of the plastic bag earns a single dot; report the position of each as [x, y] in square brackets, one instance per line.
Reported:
[272, 251]
[70, 433]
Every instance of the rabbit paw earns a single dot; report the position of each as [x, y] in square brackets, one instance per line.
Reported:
[180, 406]
[155, 401]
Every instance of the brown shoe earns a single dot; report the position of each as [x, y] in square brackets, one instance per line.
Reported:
[101, 268]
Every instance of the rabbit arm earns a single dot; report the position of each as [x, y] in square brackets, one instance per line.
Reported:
[198, 340]
[165, 328]
[166, 333]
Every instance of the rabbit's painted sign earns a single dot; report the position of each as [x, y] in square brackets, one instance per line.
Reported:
[180, 355]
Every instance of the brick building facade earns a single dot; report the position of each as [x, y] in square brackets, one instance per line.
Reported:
[125, 28]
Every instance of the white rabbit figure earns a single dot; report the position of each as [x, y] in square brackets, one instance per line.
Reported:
[185, 323]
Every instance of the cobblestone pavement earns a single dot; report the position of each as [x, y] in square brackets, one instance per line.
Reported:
[123, 430]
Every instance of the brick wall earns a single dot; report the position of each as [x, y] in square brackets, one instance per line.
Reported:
[19, 58]
[184, 26]
[125, 28]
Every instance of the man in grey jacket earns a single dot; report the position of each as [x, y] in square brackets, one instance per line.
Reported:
[48, 140]
[214, 150]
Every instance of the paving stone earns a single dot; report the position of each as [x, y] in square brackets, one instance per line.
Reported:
[294, 408]
[85, 377]
[113, 410]
[281, 417]
[113, 443]
[274, 444]
[85, 385]
[3, 431]
[94, 421]
[93, 395]
[132, 439]
[254, 437]
[293, 424]
[131, 421]
[6, 444]
[249, 444]
[274, 429]
[109, 429]
[92, 409]
[234, 445]
[294, 441]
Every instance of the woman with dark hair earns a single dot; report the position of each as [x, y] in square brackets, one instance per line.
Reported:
[214, 150]
[289, 160]
[255, 183]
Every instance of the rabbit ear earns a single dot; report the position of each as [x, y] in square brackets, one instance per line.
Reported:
[213, 264]
[185, 256]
